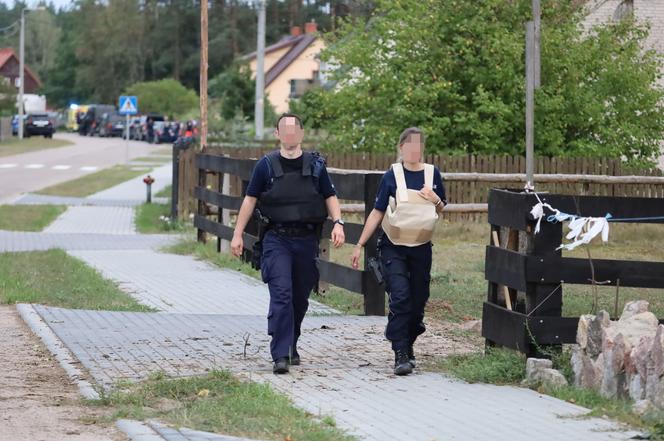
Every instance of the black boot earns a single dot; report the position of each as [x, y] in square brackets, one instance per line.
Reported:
[402, 364]
[280, 366]
[411, 356]
[295, 358]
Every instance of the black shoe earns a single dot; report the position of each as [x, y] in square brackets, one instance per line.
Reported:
[402, 364]
[411, 357]
[295, 359]
[280, 366]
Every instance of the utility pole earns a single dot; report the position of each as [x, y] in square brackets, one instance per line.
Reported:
[260, 73]
[204, 74]
[533, 82]
[21, 75]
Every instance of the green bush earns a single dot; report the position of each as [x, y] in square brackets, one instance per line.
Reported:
[168, 97]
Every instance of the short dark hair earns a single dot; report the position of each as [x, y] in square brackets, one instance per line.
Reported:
[410, 131]
[289, 115]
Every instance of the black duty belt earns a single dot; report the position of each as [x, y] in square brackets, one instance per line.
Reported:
[294, 230]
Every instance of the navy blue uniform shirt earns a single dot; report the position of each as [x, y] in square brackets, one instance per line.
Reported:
[260, 178]
[414, 181]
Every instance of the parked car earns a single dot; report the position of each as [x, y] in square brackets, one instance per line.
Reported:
[167, 132]
[39, 124]
[144, 125]
[135, 130]
[112, 124]
[91, 120]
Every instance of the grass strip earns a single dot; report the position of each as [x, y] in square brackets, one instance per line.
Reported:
[28, 217]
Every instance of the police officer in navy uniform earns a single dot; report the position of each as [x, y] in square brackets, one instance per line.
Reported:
[406, 268]
[293, 190]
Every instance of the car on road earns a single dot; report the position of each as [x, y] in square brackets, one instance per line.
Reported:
[111, 124]
[39, 124]
[91, 120]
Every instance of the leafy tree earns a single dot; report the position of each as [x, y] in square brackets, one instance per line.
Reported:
[460, 76]
[7, 99]
[237, 91]
[164, 96]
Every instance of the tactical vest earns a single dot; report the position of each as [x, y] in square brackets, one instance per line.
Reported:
[410, 219]
[293, 197]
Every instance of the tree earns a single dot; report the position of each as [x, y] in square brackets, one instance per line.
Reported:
[168, 97]
[7, 99]
[237, 92]
[460, 77]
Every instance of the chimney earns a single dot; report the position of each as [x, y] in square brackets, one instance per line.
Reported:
[311, 27]
[295, 31]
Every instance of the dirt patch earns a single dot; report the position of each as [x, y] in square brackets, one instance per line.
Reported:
[37, 400]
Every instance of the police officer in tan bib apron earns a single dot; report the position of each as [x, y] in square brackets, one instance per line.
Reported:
[410, 198]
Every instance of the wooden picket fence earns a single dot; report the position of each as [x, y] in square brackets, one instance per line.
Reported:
[460, 189]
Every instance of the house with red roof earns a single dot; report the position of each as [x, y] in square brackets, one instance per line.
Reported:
[9, 71]
[291, 65]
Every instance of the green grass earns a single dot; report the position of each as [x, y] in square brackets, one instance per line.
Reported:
[221, 403]
[54, 278]
[153, 159]
[507, 367]
[15, 146]
[28, 217]
[154, 218]
[165, 192]
[93, 183]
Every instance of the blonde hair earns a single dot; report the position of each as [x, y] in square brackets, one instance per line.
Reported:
[404, 137]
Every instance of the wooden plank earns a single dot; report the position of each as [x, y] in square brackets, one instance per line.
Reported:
[222, 231]
[632, 273]
[341, 276]
[216, 198]
[505, 328]
[553, 330]
[348, 185]
[239, 167]
[505, 267]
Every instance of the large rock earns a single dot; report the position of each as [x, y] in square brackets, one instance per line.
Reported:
[636, 367]
[632, 329]
[584, 369]
[596, 327]
[534, 365]
[655, 368]
[614, 380]
[642, 407]
[634, 308]
[582, 330]
[552, 378]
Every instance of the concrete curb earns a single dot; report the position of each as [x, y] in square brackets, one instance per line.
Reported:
[138, 431]
[57, 348]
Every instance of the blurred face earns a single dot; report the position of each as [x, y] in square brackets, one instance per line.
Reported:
[413, 148]
[289, 132]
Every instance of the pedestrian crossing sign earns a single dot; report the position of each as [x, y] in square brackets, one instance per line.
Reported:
[128, 105]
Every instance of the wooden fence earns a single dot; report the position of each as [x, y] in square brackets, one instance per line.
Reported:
[461, 189]
[213, 203]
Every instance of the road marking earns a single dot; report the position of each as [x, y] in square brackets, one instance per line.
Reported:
[8, 165]
[34, 166]
[89, 168]
[61, 167]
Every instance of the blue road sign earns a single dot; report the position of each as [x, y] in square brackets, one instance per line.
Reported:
[128, 105]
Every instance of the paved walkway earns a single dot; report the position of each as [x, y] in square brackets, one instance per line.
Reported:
[215, 319]
[135, 188]
[40, 199]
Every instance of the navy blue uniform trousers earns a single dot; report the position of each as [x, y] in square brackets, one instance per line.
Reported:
[407, 274]
[290, 271]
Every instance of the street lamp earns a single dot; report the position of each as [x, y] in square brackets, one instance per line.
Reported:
[21, 73]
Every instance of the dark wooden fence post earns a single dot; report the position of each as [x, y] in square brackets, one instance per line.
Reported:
[374, 294]
[202, 182]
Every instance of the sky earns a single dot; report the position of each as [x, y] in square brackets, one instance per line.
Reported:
[58, 3]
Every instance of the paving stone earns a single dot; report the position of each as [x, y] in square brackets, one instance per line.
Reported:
[15, 241]
[182, 284]
[345, 373]
[94, 220]
[39, 199]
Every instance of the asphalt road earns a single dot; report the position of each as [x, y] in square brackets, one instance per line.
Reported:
[33, 171]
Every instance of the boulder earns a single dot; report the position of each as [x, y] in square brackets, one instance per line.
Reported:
[552, 378]
[582, 330]
[655, 367]
[633, 328]
[634, 308]
[584, 369]
[596, 328]
[614, 381]
[534, 365]
[642, 407]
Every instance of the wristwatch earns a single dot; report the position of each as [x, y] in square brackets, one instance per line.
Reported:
[340, 222]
